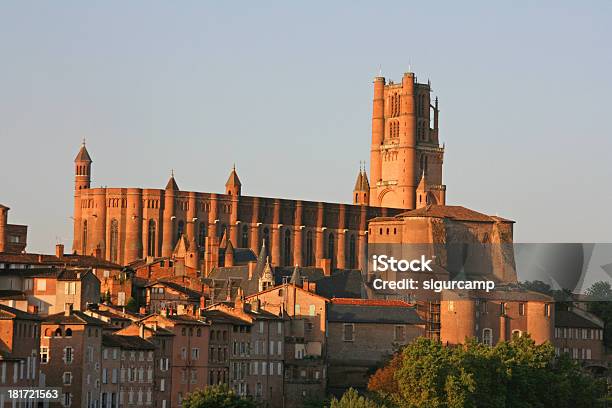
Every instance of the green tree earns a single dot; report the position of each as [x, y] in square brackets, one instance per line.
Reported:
[517, 373]
[217, 396]
[132, 305]
[352, 399]
[601, 306]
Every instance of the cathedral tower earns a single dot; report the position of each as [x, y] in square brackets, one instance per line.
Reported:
[361, 192]
[404, 144]
[82, 169]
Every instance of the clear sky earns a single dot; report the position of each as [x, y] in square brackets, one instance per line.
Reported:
[284, 90]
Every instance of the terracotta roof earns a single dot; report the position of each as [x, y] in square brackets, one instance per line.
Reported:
[85, 261]
[75, 317]
[455, 212]
[349, 312]
[219, 316]
[127, 342]
[370, 302]
[567, 318]
[7, 312]
[179, 288]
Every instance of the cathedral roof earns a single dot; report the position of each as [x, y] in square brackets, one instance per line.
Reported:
[83, 155]
[455, 212]
[172, 184]
[233, 179]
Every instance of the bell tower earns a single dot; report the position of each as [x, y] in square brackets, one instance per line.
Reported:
[404, 143]
[82, 169]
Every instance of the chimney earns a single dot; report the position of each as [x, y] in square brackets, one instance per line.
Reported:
[59, 250]
[141, 330]
[239, 303]
[142, 310]
[40, 258]
[255, 305]
[312, 287]
[305, 283]
[67, 309]
[252, 265]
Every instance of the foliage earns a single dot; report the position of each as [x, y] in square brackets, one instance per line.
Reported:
[352, 399]
[602, 308]
[132, 305]
[511, 374]
[217, 396]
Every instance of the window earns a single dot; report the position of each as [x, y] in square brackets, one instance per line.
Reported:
[67, 378]
[68, 355]
[69, 288]
[487, 337]
[547, 310]
[244, 242]
[44, 355]
[521, 309]
[311, 310]
[330, 249]
[67, 399]
[151, 242]
[28, 284]
[348, 332]
[195, 353]
[352, 261]
[68, 332]
[451, 306]
[516, 333]
[114, 240]
[400, 333]
[84, 239]
[297, 310]
[309, 249]
[41, 285]
[502, 308]
[287, 248]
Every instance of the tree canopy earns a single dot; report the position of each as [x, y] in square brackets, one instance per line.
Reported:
[217, 396]
[518, 373]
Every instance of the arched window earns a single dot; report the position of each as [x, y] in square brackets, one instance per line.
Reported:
[114, 240]
[487, 337]
[309, 249]
[352, 253]
[266, 237]
[58, 332]
[516, 333]
[244, 241]
[180, 229]
[68, 332]
[151, 243]
[202, 234]
[287, 248]
[330, 248]
[84, 240]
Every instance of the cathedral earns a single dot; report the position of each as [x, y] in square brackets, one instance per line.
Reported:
[124, 225]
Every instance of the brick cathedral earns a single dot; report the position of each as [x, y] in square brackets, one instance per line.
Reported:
[123, 225]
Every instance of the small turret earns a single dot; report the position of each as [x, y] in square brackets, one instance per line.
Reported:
[82, 169]
[266, 280]
[233, 186]
[361, 192]
[172, 183]
[421, 192]
[229, 254]
[296, 277]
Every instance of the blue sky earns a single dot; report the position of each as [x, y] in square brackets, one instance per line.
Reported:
[283, 89]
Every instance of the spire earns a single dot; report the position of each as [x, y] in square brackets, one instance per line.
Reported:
[233, 184]
[296, 277]
[83, 155]
[362, 183]
[172, 182]
[267, 277]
